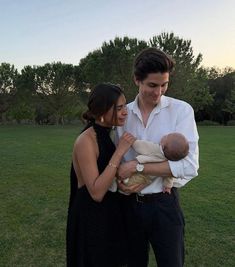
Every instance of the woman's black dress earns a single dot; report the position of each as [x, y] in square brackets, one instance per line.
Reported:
[95, 230]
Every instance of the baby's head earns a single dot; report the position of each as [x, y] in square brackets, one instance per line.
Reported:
[175, 146]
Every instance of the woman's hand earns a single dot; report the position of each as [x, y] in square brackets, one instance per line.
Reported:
[127, 169]
[125, 142]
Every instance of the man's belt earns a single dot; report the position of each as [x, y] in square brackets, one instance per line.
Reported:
[148, 197]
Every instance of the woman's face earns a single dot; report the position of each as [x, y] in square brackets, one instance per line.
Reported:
[116, 116]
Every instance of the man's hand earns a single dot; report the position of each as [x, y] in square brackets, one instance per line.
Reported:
[135, 188]
[126, 169]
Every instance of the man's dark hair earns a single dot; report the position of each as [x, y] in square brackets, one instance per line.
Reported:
[151, 60]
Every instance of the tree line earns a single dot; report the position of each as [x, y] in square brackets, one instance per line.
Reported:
[56, 93]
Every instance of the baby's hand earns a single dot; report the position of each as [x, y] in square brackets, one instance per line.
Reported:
[166, 190]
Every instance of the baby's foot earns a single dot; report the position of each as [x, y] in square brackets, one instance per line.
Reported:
[167, 190]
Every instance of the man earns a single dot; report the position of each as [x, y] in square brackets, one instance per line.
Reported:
[151, 215]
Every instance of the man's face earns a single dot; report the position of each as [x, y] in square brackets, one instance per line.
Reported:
[153, 87]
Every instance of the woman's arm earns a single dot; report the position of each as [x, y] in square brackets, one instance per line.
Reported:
[85, 153]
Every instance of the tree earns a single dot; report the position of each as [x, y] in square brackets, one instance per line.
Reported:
[55, 88]
[222, 86]
[8, 76]
[25, 97]
[112, 63]
[189, 80]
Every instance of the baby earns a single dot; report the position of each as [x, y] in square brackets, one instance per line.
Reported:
[173, 146]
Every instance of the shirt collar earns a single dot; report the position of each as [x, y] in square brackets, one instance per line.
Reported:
[164, 102]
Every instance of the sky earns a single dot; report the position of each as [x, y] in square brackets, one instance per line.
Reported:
[35, 32]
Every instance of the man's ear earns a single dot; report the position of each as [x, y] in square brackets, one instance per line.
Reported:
[137, 82]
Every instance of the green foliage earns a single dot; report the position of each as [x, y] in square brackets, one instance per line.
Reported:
[231, 123]
[207, 123]
[112, 63]
[56, 89]
[222, 86]
[22, 111]
[8, 76]
[34, 197]
[188, 81]
[57, 93]
[75, 113]
[26, 83]
[180, 49]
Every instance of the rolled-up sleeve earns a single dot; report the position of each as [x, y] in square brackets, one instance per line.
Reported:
[186, 169]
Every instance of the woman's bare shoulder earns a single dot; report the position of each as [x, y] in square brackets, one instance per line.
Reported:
[86, 140]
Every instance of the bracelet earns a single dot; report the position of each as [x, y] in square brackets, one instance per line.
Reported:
[113, 165]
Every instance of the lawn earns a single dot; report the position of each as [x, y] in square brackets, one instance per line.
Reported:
[34, 176]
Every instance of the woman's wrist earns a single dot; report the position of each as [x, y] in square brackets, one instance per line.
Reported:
[113, 165]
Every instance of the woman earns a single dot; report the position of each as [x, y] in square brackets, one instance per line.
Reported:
[95, 229]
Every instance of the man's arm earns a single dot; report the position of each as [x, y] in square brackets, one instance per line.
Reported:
[127, 169]
[183, 170]
[186, 169]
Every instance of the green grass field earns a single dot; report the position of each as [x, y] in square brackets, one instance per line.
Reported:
[34, 176]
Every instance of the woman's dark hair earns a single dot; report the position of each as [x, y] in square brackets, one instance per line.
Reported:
[101, 99]
[151, 60]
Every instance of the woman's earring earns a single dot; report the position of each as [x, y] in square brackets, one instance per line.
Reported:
[102, 119]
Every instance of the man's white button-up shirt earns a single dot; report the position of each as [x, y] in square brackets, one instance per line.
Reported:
[170, 115]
